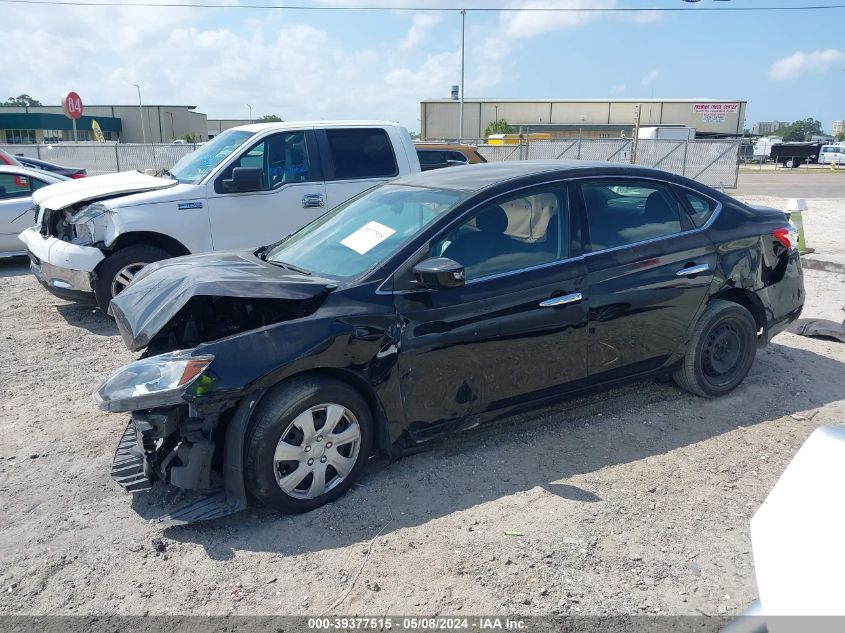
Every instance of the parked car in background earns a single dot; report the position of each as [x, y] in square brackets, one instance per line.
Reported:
[8, 159]
[431, 304]
[35, 163]
[16, 207]
[438, 155]
[248, 186]
[795, 154]
[832, 154]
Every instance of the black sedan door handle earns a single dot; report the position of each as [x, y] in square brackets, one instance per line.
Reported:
[693, 270]
[575, 297]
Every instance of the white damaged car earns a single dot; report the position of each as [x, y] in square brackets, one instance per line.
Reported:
[248, 187]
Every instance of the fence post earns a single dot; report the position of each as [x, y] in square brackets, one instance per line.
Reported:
[684, 167]
[579, 144]
[116, 157]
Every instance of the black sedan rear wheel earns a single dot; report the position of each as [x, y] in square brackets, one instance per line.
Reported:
[308, 444]
[720, 352]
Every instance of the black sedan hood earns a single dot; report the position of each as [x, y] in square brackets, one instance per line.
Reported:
[162, 289]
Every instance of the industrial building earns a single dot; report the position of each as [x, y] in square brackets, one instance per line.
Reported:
[588, 118]
[215, 126]
[48, 124]
[838, 128]
[766, 128]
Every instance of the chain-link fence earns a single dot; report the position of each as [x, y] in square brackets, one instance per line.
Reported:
[712, 162]
[98, 158]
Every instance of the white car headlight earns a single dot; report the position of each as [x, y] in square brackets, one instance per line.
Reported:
[151, 382]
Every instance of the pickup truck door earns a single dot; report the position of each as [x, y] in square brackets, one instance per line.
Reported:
[293, 193]
[358, 158]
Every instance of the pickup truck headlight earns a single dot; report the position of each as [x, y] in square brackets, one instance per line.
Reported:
[152, 382]
[86, 214]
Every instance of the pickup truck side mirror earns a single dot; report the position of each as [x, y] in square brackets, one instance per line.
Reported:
[245, 179]
[439, 272]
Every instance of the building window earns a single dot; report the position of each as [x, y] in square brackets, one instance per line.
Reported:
[17, 137]
[52, 136]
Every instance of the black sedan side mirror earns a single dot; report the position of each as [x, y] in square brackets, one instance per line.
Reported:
[245, 179]
[439, 272]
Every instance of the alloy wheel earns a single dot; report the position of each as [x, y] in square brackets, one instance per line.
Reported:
[124, 277]
[317, 451]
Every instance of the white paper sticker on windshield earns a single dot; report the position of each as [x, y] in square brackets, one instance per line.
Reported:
[370, 235]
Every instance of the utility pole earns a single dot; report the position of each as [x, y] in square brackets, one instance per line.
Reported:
[141, 112]
[636, 134]
[463, 33]
[250, 113]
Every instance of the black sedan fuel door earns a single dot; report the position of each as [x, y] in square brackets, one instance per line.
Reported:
[513, 332]
[649, 268]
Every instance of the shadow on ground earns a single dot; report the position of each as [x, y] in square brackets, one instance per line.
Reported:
[14, 267]
[88, 317]
[542, 449]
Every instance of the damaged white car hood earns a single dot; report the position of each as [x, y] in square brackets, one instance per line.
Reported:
[64, 194]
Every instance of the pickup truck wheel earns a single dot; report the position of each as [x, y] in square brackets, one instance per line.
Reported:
[308, 443]
[118, 270]
[720, 352]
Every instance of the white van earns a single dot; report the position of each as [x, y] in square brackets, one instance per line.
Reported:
[832, 154]
[248, 187]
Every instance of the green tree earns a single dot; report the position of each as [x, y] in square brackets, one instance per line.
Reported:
[499, 126]
[802, 130]
[269, 118]
[841, 137]
[21, 100]
[190, 137]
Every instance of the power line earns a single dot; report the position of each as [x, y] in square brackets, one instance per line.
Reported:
[298, 7]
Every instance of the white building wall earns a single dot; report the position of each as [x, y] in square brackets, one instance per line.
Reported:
[440, 118]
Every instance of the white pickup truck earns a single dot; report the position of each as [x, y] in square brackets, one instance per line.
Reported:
[247, 187]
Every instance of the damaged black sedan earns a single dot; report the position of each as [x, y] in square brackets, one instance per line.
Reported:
[429, 305]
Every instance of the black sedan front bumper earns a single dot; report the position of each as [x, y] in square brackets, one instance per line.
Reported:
[168, 446]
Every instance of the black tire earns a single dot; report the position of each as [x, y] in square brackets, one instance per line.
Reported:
[275, 417]
[720, 352]
[117, 261]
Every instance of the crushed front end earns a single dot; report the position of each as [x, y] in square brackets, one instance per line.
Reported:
[175, 433]
[166, 445]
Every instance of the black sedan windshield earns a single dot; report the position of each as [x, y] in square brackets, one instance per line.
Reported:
[361, 232]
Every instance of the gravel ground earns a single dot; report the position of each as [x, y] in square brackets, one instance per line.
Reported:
[635, 500]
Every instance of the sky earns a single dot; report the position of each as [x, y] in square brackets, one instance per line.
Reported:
[381, 64]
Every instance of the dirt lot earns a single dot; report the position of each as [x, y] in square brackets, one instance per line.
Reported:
[636, 500]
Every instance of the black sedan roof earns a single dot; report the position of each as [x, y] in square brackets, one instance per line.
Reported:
[476, 177]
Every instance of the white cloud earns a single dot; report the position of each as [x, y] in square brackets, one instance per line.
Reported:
[801, 63]
[419, 29]
[650, 77]
[282, 63]
[617, 89]
[523, 24]
[643, 17]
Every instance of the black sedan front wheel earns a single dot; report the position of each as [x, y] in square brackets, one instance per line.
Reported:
[720, 352]
[309, 442]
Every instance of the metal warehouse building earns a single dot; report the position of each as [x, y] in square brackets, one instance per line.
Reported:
[590, 118]
[48, 124]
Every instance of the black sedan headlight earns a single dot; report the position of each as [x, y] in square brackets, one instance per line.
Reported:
[148, 383]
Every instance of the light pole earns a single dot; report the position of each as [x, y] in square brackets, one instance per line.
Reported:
[141, 112]
[250, 112]
[463, 32]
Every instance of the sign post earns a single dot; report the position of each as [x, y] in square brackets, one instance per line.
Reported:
[72, 105]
